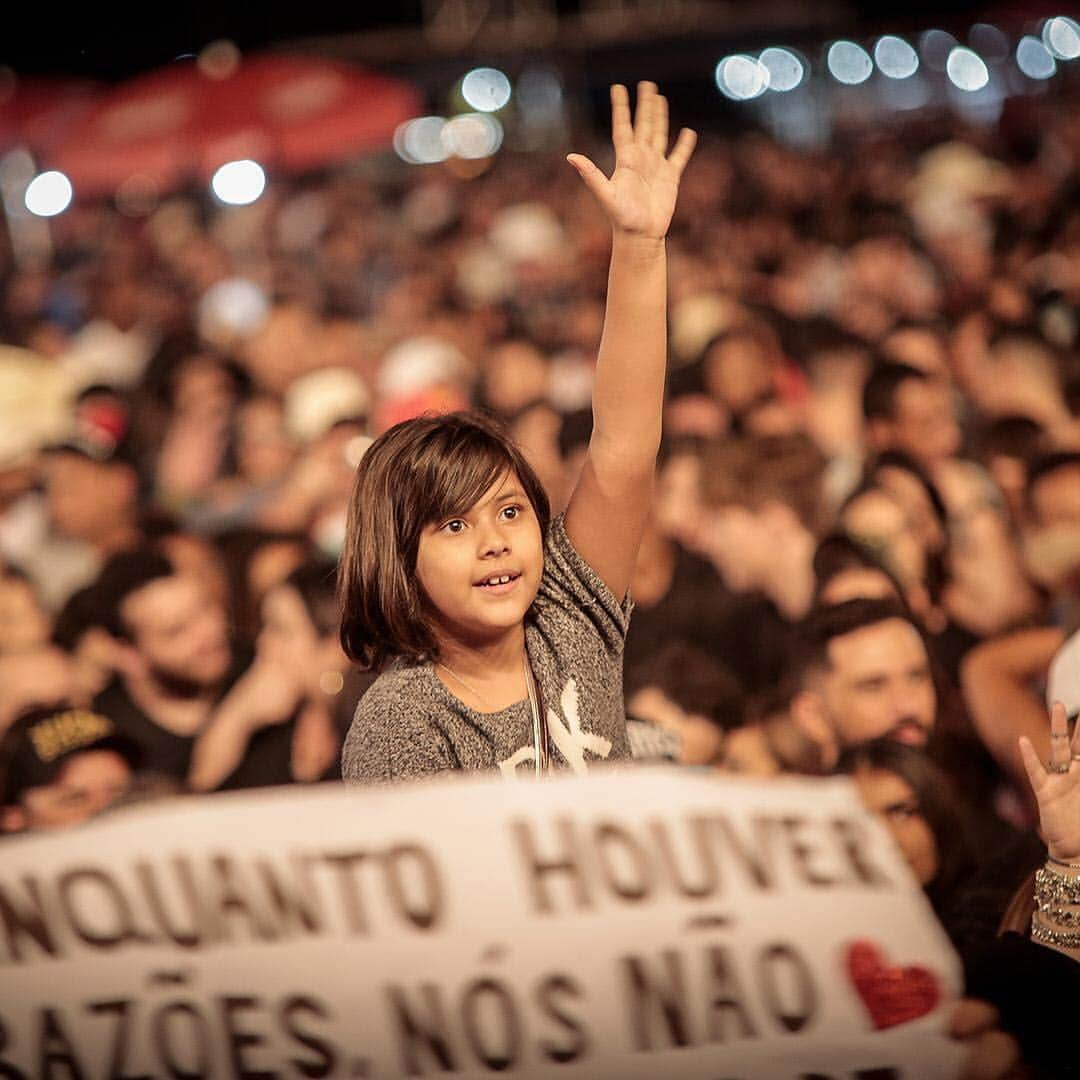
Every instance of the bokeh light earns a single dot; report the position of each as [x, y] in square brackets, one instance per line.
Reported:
[219, 60]
[539, 91]
[966, 69]
[234, 306]
[895, 57]
[1061, 35]
[742, 77]
[1033, 58]
[935, 47]
[486, 89]
[239, 183]
[48, 194]
[419, 141]
[331, 682]
[989, 42]
[849, 63]
[472, 136]
[786, 70]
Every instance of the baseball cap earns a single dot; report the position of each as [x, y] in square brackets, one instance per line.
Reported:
[100, 428]
[36, 746]
[315, 402]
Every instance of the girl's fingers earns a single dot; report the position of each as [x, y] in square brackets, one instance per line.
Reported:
[1060, 750]
[644, 117]
[684, 147]
[660, 128]
[622, 131]
[1032, 765]
[594, 179]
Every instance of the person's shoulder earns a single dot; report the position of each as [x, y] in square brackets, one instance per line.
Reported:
[395, 689]
[573, 594]
[565, 565]
[394, 734]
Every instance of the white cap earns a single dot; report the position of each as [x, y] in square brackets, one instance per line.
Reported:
[417, 363]
[317, 401]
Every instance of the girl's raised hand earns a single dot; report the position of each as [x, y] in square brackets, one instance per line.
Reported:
[1057, 787]
[639, 198]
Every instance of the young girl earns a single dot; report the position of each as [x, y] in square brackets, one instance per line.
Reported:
[499, 632]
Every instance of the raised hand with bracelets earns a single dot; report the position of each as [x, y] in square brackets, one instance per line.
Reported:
[1056, 785]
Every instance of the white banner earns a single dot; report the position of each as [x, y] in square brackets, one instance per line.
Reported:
[635, 924]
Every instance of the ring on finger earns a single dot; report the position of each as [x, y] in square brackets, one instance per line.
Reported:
[1061, 767]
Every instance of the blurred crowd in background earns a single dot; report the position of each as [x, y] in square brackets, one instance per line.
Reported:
[865, 551]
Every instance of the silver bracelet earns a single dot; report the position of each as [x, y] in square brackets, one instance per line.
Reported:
[1052, 887]
[1067, 918]
[1044, 935]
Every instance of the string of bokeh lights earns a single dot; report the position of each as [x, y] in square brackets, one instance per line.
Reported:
[968, 67]
[475, 133]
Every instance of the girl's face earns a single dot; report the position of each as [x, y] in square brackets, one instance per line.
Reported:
[895, 803]
[498, 537]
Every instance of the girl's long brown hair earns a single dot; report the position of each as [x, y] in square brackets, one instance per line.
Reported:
[418, 472]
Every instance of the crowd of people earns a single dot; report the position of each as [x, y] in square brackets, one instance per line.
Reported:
[863, 554]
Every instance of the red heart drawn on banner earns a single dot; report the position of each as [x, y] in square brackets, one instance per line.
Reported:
[892, 994]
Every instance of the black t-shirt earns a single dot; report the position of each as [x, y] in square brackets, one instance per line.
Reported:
[743, 631]
[950, 647]
[684, 613]
[267, 759]
[1035, 990]
[978, 903]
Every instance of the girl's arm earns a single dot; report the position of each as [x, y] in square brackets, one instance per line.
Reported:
[606, 514]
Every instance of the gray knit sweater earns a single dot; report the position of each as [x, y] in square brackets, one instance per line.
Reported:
[409, 724]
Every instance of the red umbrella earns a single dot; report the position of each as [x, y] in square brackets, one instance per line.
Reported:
[287, 112]
[142, 128]
[301, 112]
[40, 112]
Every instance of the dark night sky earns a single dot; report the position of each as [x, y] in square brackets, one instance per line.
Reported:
[113, 41]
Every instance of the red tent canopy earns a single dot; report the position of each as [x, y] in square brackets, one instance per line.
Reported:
[287, 112]
[39, 112]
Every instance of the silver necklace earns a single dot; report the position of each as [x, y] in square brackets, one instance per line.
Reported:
[472, 689]
[540, 729]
